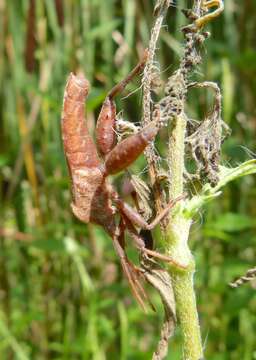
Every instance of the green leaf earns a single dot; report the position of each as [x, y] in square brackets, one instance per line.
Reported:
[232, 222]
[12, 341]
[208, 193]
[211, 232]
[48, 245]
[229, 174]
[102, 30]
[4, 159]
[74, 250]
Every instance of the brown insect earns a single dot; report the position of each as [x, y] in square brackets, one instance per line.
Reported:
[94, 198]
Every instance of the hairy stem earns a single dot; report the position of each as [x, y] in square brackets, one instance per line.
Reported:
[187, 314]
[176, 155]
[177, 246]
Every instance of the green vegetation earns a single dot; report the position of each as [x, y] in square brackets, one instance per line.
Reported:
[62, 293]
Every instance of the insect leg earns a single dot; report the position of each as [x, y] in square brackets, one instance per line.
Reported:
[140, 243]
[137, 219]
[131, 272]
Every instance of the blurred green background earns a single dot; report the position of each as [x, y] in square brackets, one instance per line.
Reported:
[62, 294]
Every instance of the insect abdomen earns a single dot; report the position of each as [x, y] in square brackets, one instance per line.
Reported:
[78, 145]
[128, 150]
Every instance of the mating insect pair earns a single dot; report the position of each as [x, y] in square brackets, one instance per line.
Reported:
[93, 198]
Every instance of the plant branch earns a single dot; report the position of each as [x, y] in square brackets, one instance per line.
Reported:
[171, 109]
[177, 245]
[177, 232]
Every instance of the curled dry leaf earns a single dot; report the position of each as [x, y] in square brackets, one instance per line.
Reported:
[249, 276]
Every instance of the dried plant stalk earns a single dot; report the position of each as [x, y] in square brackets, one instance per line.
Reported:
[159, 12]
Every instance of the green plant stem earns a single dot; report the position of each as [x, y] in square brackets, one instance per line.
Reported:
[187, 314]
[176, 155]
[177, 246]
